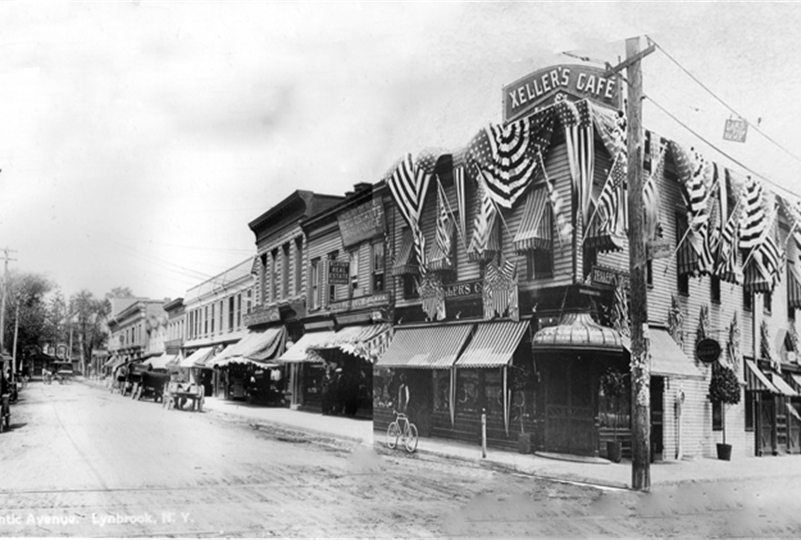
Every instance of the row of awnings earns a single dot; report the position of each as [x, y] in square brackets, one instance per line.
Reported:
[759, 381]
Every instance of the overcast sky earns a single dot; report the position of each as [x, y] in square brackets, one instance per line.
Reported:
[137, 140]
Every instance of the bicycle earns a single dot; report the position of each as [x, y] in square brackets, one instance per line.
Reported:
[407, 434]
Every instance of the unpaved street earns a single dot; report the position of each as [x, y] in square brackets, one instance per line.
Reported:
[83, 462]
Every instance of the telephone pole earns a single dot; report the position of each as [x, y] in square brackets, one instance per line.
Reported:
[6, 258]
[640, 357]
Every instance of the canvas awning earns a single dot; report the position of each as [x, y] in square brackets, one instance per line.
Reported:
[577, 331]
[493, 344]
[405, 262]
[299, 352]
[433, 347]
[366, 341]
[161, 361]
[667, 358]
[535, 227]
[781, 385]
[600, 239]
[197, 358]
[255, 347]
[757, 381]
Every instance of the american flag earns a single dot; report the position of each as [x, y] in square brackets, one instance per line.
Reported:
[506, 155]
[483, 224]
[409, 185]
[432, 296]
[697, 192]
[650, 190]
[441, 258]
[726, 267]
[580, 139]
[752, 219]
[458, 180]
[771, 255]
[609, 207]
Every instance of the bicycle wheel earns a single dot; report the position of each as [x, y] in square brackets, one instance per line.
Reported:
[393, 434]
[410, 438]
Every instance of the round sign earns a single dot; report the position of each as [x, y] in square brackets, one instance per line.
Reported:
[707, 350]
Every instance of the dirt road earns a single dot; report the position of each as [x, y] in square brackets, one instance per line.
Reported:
[83, 462]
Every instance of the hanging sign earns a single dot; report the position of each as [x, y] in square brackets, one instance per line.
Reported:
[707, 350]
[736, 130]
[659, 248]
[602, 275]
[540, 88]
[338, 272]
[361, 223]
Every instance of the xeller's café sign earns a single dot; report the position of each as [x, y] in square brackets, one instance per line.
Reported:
[542, 87]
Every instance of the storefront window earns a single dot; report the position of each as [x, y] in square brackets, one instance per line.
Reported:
[493, 392]
[442, 390]
[467, 396]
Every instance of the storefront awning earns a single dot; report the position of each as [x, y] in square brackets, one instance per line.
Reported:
[434, 347]
[405, 262]
[493, 344]
[535, 227]
[757, 381]
[299, 352]
[577, 331]
[255, 347]
[366, 341]
[161, 362]
[667, 358]
[781, 385]
[197, 358]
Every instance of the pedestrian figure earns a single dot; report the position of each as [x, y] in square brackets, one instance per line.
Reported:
[403, 395]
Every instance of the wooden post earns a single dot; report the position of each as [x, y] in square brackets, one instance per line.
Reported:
[640, 359]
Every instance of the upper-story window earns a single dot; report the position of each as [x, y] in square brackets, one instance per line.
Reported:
[206, 321]
[298, 264]
[714, 285]
[686, 264]
[354, 272]
[314, 283]
[231, 312]
[263, 291]
[285, 271]
[273, 276]
[378, 260]
[239, 310]
[539, 264]
[767, 302]
[332, 289]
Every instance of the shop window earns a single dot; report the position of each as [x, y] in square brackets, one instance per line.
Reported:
[539, 264]
[314, 284]
[749, 410]
[748, 299]
[717, 416]
[442, 390]
[467, 390]
[493, 392]
[410, 287]
[714, 284]
[378, 259]
[767, 302]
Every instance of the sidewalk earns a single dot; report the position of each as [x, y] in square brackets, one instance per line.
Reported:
[598, 472]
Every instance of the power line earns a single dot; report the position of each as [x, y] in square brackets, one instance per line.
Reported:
[720, 100]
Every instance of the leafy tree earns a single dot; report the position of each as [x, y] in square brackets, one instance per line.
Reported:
[87, 320]
[724, 388]
[28, 291]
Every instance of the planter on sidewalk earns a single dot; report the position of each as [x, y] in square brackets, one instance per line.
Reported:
[524, 443]
[724, 451]
[614, 451]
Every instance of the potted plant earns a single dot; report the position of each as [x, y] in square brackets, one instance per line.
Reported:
[724, 388]
[613, 384]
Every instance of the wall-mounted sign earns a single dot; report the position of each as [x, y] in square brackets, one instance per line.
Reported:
[660, 248]
[602, 275]
[262, 315]
[362, 302]
[707, 350]
[361, 223]
[338, 272]
[464, 289]
[736, 130]
[541, 88]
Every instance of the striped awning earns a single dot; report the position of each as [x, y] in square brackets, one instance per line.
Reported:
[597, 238]
[197, 358]
[754, 280]
[404, 258]
[493, 344]
[535, 226]
[793, 288]
[299, 352]
[365, 341]
[757, 381]
[781, 385]
[432, 347]
[493, 246]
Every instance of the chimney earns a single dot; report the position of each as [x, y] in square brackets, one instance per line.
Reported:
[361, 186]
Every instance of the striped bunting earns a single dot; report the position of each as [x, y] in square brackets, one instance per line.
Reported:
[432, 296]
[726, 266]
[580, 139]
[564, 228]
[408, 185]
[535, 226]
[500, 291]
[459, 182]
[752, 219]
[610, 209]
[506, 155]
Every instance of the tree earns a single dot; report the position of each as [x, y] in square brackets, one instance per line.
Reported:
[29, 291]
[724, 388]
[87, 320]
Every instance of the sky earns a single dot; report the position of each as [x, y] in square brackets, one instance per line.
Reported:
[138, 139]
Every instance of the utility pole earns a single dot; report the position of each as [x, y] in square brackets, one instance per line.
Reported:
[6, 251]
[14, 350]
[640, 357]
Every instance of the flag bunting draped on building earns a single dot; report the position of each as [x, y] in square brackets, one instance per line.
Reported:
[505, 156]
[500, 291]
[484, 227]
[611, 204]
[442, 249]
[432, 296]
[580, 139]
[752, 218]
[650, 192]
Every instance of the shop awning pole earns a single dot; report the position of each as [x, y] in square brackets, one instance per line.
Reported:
[505, 370]
[452, 401]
